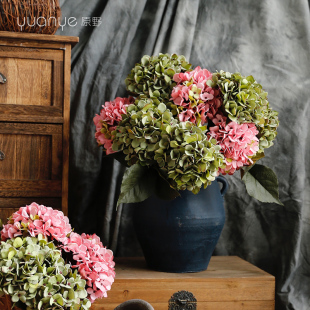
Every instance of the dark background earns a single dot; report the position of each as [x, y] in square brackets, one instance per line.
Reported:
[269, 39]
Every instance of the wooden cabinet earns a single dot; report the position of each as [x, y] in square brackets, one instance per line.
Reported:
[34, 120]
[229, 283]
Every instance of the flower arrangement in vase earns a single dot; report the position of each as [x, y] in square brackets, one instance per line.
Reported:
[182, 127]
[45, 265]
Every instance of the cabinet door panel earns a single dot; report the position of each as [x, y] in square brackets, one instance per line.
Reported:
[27, 157]
[32, 166]
[28, 81]
[34, 88]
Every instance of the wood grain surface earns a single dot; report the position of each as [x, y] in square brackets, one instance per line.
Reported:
[229, 283]
[34, 120]
[41, 38]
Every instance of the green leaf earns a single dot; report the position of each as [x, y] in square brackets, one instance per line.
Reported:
[11, 254]
[137, 185]
[156, 93]
[262, 184]
[71, 294]
[10, 289]
[162, 107]
[145, 60]
[18, 242]
[59, 299]
[15, 298]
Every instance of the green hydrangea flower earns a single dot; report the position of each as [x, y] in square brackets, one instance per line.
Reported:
[245, 101]
[182, 153]
[153, 77]
[33, 272]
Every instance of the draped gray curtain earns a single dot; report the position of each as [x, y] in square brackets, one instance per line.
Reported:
[269, 39]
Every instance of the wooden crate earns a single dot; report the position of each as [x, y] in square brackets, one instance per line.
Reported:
[229, 283]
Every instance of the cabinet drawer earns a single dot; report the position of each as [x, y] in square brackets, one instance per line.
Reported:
[34, 84]
[32, 163]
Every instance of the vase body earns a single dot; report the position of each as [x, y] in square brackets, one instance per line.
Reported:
[180, 235]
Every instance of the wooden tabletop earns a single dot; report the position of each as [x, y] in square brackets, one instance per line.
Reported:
[228, 283]
[220, 267]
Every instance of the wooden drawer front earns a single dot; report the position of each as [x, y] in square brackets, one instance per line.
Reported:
[34, 86]
[32, 166]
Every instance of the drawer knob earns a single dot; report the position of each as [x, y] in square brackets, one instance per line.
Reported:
[2, 156]
[2, 78]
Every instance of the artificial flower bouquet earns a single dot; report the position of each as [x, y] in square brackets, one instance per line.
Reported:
[182, 127]
[45, 265]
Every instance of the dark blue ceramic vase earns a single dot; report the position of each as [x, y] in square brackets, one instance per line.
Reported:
[180, 235]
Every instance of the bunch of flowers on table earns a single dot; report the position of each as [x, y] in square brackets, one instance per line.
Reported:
[184, 126]
[45, 265]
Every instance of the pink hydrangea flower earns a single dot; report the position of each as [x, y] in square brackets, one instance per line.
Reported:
[188, 115]
[112, 111]
[106, 122]
[238, 142]
[37, 219]
[101, 137]
[94, 262]
[192, 93]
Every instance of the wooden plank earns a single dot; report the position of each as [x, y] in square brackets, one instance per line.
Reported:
[16, 203]
[15, 188]
[56, 161]
[37, 112]
[30, 53]
[58, 84]
[203, 291]
[66, 129]
[30, 118]
[23, 157]
[231, 305]
[227, 279]
[39, 38]
[33, 44]
[220, 267]
[30, 129]
[8, 165]
[43, 160]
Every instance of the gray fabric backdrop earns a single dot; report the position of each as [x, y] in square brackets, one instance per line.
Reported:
[269, 39]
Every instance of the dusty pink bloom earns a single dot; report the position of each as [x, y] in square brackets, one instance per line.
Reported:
[210, 107]
[193, 93]
[188, 115]
[238, 143]
[198, 75]
[112, 111]
[94, 262]
[110, 116]
[180, 95]
[37, 219]
[103, 140]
